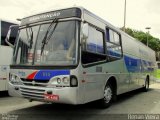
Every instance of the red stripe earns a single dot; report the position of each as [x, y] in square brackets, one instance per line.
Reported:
[31, 76]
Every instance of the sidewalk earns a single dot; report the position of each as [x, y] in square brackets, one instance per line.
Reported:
[157, 81]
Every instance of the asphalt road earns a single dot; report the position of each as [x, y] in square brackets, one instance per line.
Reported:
[127, 107]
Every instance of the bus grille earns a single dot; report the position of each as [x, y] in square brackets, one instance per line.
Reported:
[33, 82]
[32, 93]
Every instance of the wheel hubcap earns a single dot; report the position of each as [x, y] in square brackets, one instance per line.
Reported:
[107, 94]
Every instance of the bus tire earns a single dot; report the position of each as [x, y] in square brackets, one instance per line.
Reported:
[146, 87]
[108, 94]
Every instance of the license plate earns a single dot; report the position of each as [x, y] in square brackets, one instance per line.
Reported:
[51, 97]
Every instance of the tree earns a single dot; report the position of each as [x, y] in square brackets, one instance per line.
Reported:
[153, 43]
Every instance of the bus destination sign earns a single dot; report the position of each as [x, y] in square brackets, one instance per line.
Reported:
[65, 13]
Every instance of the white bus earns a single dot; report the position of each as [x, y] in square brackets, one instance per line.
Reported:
[73, 56]
[6, 53]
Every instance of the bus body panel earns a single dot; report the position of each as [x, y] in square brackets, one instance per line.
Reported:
[131, 47]
[96, 80]
[6, 53]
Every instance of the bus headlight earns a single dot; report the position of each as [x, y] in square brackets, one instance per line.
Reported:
[14, 79]
[73, 81]
[60, 81]
[65, 80]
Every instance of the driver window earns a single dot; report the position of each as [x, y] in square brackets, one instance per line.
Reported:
[95, 50]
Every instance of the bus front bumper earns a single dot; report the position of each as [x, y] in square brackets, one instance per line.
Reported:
[67, 95]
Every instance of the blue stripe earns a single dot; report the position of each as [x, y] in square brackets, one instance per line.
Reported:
[133, 65]
[48, 74]
[114, 53]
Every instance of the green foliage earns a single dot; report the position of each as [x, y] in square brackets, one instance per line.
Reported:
[153, 43]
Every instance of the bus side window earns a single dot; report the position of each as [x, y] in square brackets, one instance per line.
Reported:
[95, 50]
[107, 35]
[113, 45]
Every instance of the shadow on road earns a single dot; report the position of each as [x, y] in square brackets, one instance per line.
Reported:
[129, 95]
[3, 94]
[71, 112]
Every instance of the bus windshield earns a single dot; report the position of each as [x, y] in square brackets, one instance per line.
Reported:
[60, 44]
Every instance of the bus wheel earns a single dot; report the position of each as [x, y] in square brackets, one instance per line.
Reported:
[108, 96]
[146, 87]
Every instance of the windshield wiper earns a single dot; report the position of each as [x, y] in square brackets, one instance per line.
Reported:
[29, 35]
[46, 39]
[31, 38]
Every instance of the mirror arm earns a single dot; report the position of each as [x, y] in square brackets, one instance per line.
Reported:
[6, 40]
[8, 36]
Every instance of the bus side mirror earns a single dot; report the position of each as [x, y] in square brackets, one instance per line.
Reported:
[11, 35]
[85, 30]
[85, 34]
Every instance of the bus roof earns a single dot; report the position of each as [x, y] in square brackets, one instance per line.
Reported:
[49, 10]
